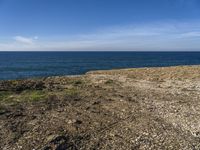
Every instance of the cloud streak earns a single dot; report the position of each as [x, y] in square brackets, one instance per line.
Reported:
[25, 40]
[144, 37]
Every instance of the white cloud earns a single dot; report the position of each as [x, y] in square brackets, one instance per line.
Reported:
[190, 34]
[25, 40]
[152, 36]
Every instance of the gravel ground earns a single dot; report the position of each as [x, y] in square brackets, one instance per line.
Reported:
[146, 108]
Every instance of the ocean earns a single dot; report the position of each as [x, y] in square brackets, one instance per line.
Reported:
[20, 65]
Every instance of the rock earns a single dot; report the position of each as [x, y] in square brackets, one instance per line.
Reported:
[78, 122]
[60, 143]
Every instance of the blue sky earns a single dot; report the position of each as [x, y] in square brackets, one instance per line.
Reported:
[138, 25]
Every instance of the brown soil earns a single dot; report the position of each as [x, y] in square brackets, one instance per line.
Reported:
[147, 108]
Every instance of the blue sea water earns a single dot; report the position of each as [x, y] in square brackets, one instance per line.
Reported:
[18, 65]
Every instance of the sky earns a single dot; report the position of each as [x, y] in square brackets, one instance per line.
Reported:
[99, 25]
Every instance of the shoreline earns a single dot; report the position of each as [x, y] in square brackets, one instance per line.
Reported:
[88, 72]
[135, 108]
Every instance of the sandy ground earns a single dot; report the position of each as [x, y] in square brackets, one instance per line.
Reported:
[147, 108]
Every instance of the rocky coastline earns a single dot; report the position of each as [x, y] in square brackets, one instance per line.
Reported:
[143, 108]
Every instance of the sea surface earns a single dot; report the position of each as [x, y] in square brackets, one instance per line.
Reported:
[18, 65]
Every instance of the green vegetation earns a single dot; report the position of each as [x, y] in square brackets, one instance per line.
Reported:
[29, 95]
[4, 95]
[35, 95]
[7, 98]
